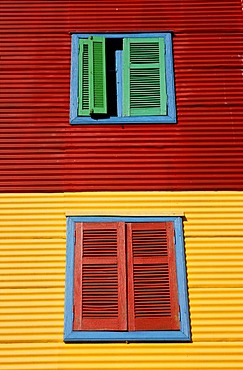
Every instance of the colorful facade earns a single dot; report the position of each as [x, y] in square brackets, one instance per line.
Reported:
[50, 169]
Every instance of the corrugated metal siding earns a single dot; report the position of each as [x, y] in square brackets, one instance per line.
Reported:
[32, 269]
[40, 151]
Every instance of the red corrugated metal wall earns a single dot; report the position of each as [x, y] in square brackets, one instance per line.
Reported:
[40, 151]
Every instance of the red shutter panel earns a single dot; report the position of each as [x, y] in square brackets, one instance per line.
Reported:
[100, 280]
[152, 282]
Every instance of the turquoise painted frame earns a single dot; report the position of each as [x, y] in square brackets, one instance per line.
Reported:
[171, 102]
[182, 335]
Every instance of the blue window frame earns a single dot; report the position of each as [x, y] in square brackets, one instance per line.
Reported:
[117, 114]
[181, 335]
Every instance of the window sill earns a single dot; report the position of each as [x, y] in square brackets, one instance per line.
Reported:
[123, 120]
[141, 336]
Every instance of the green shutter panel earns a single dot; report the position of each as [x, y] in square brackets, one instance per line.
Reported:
[92, 76]
[83, 78]
[97, 65]
[144, 87]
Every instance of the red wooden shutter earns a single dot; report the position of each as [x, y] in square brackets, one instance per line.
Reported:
[152, 283]
[100, 279]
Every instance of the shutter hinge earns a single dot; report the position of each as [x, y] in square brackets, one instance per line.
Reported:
[73, 310]
[179, 314]
[75, 237]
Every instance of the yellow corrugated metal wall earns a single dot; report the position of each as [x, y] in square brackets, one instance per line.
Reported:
[32, 248]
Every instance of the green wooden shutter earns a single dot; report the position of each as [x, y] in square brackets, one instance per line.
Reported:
[84, 78]
[144, 87]
[92, 76]
[97, 65]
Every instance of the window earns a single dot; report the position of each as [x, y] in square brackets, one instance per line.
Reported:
[122, 78]
[126, 280]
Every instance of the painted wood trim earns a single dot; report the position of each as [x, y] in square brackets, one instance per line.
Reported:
[165, 214]
[119, 57]
[183, 334]
[169, 118]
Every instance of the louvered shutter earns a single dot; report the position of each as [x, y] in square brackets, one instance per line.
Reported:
[92, 76]
[84, 78]
[99, 278]
[97, 64]
[152, 282]
[144, 84]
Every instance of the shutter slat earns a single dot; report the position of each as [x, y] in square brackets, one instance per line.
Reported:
[152, 284]
[144, 77]
[100, 281]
